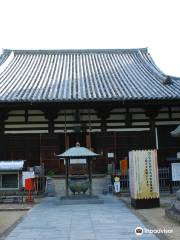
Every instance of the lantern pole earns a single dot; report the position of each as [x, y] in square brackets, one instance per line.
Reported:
[90, 176]
[67, 177]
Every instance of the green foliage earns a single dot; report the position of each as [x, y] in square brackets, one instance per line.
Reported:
[50, 173]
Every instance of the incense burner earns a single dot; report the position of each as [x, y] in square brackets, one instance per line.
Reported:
[79, 185]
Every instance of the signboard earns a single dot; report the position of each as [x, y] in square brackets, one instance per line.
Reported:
[78, 161]
[143, 174]
[175, 171]
[28, 184]
[117, 187]
[178, 155]
[110, 155]
[26, 175]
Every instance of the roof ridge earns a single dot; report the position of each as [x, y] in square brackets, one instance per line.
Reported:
[5, 64]
[50, 51]
[174, 77]
[151, 66]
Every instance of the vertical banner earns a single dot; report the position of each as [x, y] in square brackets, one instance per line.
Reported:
[124, 166]
[143, 174]
[175, 167]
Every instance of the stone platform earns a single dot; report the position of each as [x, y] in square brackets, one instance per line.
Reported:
[174, 211]
[51, 220]
[80, 199]
[145, 203]
[99, 182]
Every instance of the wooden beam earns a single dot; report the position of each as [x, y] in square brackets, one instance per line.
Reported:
[89, 104]
[103, 113]
[50, 115]
[152, 112]
[128, 120]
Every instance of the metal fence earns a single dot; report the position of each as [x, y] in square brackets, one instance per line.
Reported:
[164, 181]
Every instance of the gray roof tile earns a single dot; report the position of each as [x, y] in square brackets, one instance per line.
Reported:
[82, 75]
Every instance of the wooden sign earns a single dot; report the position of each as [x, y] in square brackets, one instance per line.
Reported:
[175, 171]
[143, 177]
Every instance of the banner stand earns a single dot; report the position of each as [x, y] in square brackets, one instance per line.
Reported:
[145, 203]
[144, 179]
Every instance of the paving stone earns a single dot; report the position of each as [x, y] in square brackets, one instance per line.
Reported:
[51, 220]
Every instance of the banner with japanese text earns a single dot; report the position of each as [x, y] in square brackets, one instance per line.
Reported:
[143, 174]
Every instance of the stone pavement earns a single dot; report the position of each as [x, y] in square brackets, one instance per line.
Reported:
[52, 221]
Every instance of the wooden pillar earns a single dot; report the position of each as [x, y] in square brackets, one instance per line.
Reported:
[67, 177]
[66, 141]
[128, 118]
[152, 133]
[152, 112]
[50, 115]
[170, 179]
[26, 116]
[51, 126]
[90, 175]
[103, 114]
[3, 117]
[88, 141]
[66, 136]
[88, 134]
[170, 112]
[103, 125]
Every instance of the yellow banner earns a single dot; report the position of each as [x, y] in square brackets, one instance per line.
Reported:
[143, 174]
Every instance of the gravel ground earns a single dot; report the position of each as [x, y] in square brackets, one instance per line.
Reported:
[8, 219]
[155, 218]
[11, 214]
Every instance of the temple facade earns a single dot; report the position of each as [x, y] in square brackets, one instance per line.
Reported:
[112, 101]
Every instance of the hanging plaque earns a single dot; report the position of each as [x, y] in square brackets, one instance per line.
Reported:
[110, 155]
[78, 161]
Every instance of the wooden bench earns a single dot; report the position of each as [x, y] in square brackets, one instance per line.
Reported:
[11, 197]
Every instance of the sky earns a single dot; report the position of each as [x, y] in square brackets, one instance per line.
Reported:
[92, 24]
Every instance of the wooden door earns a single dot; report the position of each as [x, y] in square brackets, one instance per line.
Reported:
[25, 147]
[50, 146]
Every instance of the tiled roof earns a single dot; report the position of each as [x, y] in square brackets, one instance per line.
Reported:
[83, 75]
[77, 152]
[11, 165]
[176, 132]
